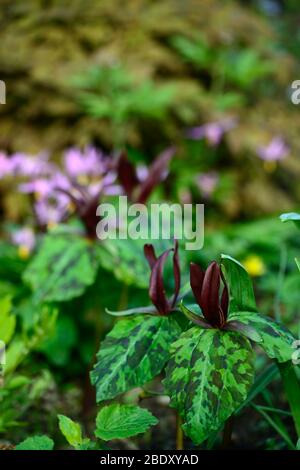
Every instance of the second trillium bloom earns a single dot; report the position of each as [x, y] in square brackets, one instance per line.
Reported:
[212, 298]
[157, 291]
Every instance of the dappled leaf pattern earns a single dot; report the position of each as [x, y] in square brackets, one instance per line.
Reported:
[276, 339]
[208, 377]
[62, 269]
[134, 352]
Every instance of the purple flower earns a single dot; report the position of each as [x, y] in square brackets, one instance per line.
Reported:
[212, 132]
[52, 210]
[24, 238]
[31, 166]
[89, 162]
[40, 187]
[276, 150]
[207, 183]
[43, 187]
[6, 165]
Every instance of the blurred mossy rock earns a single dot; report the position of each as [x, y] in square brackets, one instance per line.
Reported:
[44, 43]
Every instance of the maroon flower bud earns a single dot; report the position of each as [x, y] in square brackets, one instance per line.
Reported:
[139, 190]
[157, 292]
[206, 289]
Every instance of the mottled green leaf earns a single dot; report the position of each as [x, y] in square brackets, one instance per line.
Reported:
[134, 352]
[276, 339]
[121, 421]
[240, 285]
[71, 430]
[125, 258]
[36, 443]
[208, 378]
[7, 320]
[62, 269]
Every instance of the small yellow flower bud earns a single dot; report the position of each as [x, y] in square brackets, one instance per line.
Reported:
[254, 265]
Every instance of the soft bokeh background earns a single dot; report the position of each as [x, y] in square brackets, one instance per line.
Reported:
[139, 74]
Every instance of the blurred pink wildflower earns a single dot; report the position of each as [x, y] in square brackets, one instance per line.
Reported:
[212, 132]
[207, 183]
[276, 150]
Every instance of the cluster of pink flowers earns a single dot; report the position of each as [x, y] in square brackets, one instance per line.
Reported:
[83, 177]
[78, 184]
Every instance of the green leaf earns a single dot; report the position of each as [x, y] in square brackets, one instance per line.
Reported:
[71, 430]
[58, 345]
[291, 216]
[36, 443]
[277, 340]
[260, 384]
[134, 352]
[7, 320]
[291, 385]
[208, 378]
[125, 258]
[121, 421]
[240, 285]
[87, 444]
[62, 269]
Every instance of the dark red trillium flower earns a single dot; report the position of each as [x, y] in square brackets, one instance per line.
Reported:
[157, 292]
[212, 299]
[137, 189]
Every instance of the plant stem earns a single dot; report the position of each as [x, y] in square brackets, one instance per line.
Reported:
[292, 389]
[123, 302]
[227, 433]
[179, 433]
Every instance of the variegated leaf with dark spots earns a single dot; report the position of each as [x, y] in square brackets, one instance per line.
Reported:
[208, 376]
[276, 341]
[62, 269]
[134, 352]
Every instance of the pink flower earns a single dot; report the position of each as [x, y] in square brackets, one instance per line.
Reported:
[31, 166]
[87, 162]
[207, 183]
[24, 237]
[52, 210]
[276, 150]
[212, 132]
[6, 165]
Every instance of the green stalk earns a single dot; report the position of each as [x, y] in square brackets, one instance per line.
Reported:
[179, 433]
[292, 389]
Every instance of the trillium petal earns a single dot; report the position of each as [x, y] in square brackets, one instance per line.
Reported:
[196, 279]
[157, 173]
[156, 291]
[127, 174]
[176, 271]
[210, 294]
[150, 255]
